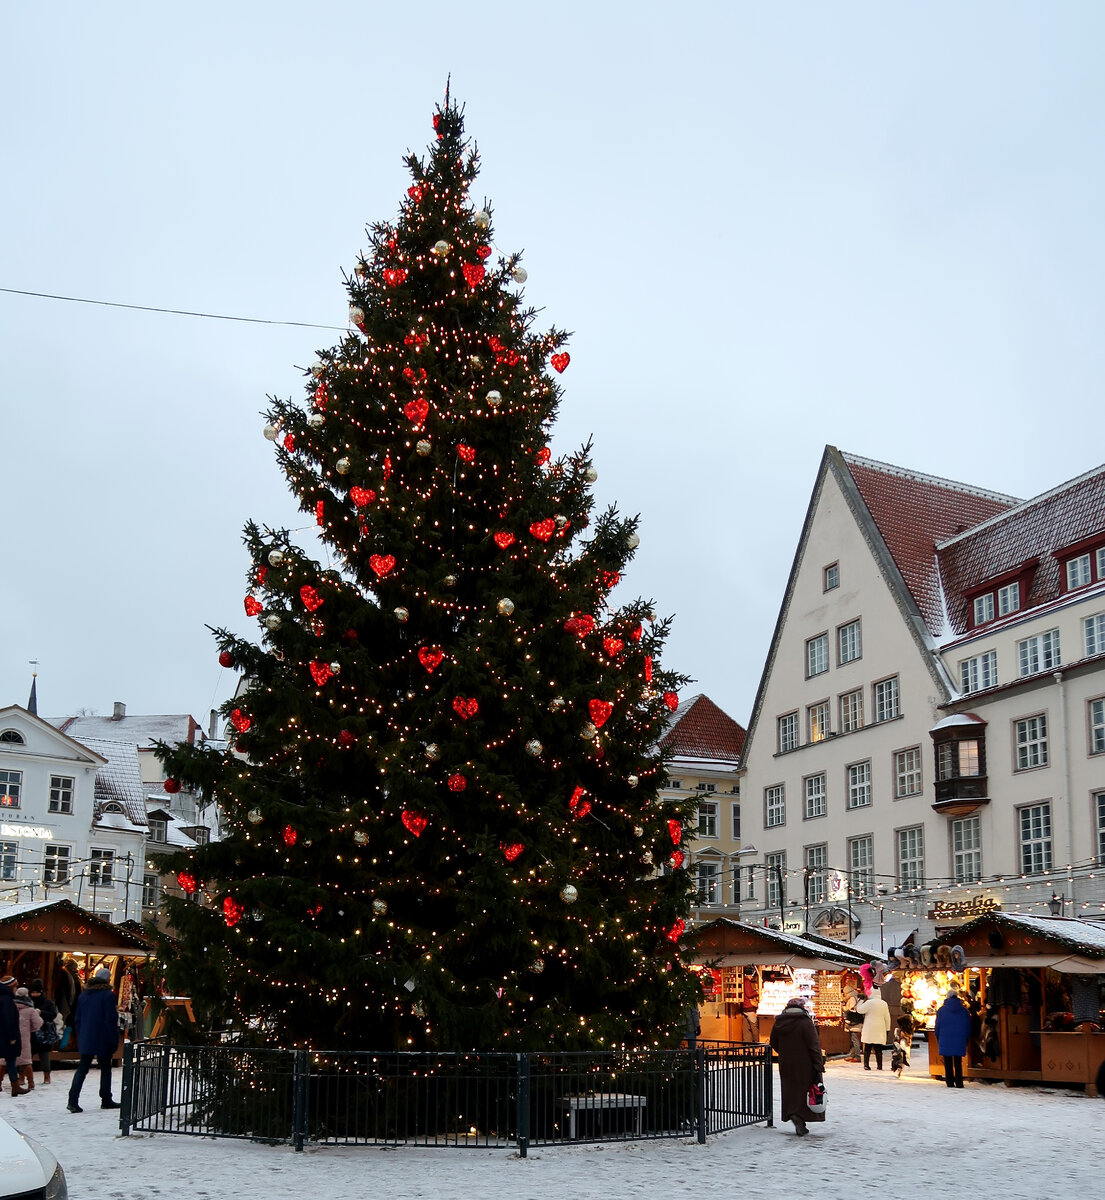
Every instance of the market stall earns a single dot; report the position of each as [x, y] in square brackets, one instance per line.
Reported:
[62, 944]
[749, 973]
[1034, 985]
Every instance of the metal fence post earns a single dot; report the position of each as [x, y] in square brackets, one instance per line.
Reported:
[127, 1089]
[299, 1098]
[701, 1062]
[768, 1084]
[523, 1105]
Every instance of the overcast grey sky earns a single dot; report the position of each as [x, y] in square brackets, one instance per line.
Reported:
[769, 225]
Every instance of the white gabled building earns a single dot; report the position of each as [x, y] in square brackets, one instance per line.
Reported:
[929, 730]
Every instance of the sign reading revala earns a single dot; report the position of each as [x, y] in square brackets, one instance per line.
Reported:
[980, 906]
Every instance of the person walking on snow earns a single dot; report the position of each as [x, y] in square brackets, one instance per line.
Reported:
[876, 1027]
[10, 1034]
[96, 1024]
[953, 1030]
[801, 1063]
[30, 1022]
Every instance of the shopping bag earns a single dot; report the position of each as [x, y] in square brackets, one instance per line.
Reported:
[815, 1101]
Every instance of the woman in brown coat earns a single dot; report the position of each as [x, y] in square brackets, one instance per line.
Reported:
[801, 1063]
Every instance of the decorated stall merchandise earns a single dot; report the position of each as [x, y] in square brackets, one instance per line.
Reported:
[749, 972]
[62, 944]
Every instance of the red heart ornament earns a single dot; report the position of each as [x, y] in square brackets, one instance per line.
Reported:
[289, 442]
[612, 646]
[483, 251]
[395, 276]
[576, 797]
[675, 831]
[580, 625]
[312, 601]
[648, 668]
[318, 513]
[321, 672]
[678, 858]
[290, 835]
[473, 273]
[610, 579]
[559, 362]
[259, 575]
[361, 496]
[676, 931]
[416, 411]
[511, 850]
[636, 633]
[417, 340]
[466, 707]
[232, 911]
[430, 657]
[581, 809]
[503, 538]
[467, 453]
[382, 564]
[414, 821]
[543, 455]
[543, 530]
[346, 738]
[600, 711]
[240, 720]
[187, 882]
[320, 397]
[671, 700]
[414, 377]
[253, 606]
[314, 910]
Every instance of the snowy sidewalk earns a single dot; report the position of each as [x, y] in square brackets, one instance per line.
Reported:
[911, 1138]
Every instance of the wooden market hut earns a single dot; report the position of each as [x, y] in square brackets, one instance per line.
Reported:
[1028, 966]
[751, 964]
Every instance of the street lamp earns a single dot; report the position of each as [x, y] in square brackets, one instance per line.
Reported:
[1056, 904]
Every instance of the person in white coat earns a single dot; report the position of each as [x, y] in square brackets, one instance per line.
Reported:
[876, 1027]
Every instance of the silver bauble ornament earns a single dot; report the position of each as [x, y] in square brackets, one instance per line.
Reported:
[534, 747]
[520, 274]
[433, 751]
[569, 894]
[254, 816]
[270, 432]
[335, 668]
[342, 466]
[588, 732]
[494, 398]
[318, 370]
[556, 704]
[505, 606]
[401, 613]
[591, 475]
[315, 420]
[276, 557]
[441, 248]
[538, 966]
[356, 314]
[450, 581]
[474, 360]
[379, 907]
[423, 446]
[631, 780]
[638, 831]
[361, 269]
[360, 837]
[646, 858]
[633, 541]
[273, 621]
[482, 219]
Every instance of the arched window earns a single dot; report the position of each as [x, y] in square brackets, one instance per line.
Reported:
[12, 737]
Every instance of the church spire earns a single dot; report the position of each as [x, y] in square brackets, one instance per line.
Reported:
[32, 702]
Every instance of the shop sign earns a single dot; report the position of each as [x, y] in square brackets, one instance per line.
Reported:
[836, 887]
[964, 910]
[833, 923]
[9, 829]
[794, 925]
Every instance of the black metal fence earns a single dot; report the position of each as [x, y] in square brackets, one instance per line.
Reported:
[416, 1098]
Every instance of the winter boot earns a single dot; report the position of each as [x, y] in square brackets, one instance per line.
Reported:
[27, 1078]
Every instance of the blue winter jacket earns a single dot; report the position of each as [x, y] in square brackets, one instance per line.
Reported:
[96, 1020]
[953, 1027]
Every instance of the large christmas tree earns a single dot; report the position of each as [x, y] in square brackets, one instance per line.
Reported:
[441, 804]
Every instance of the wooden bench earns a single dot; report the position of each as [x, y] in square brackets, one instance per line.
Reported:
[601, 1102]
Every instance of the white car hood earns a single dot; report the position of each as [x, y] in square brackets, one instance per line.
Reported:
[24, 1163]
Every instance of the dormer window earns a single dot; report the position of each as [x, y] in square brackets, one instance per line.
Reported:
[984, 608]
[1009, 598]
[1083, 564]
[12, 737]
[1078, 572]
[159, 829]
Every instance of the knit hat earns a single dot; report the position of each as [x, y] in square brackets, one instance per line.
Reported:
[7, 979]
[36, 986]
[103, 974]
[796, 1002]
[21, 991]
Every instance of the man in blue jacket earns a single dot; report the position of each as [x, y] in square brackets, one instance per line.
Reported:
[96, 1024]
[953, 1031]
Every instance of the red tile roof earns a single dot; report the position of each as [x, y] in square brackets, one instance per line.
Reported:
[913, 512]
[1038, 528]
[699, 729]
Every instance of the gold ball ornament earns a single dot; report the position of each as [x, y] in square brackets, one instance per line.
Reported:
[276, 558]
[450, 581]
[494, 398]
[423, 446]
[273, 621]
[588, 732]
[401, 613]
[360, 837]
[316, 420]
[505, 606]
[379, 907]
[433, 751]
[569, 894]
[591, 475]
[482, 219]
[534, 747]
[442, 248]
[342, 466]
[556, 704]
[254, 816]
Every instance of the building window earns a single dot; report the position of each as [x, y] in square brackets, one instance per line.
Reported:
[708, 882]
[776, 879]
[9, 859]
[705, 787]
[1031, 739]
[979, 672]
[1101, 562]
[675, 784]
[750, 884]
[55, 863]
[849, 642]
[1035, 822]
[832, 577]
[1099, 801]
[851, 711]
[907, 772]
[201, 835]
[151, 890]
[886, 699]
[1078, 572]
[817, 655]
[1094, 631]
[1009, 599]
[775, 809]
[11, 786]
[861, 858]
[1039, 653]
[911, 858]
[61, 794]
[1097, 726]
[12, 737]
[984, 608]
[707, 819]
[817, 721]
[736, 822]
[966, 834]
[859, 785]
[817, 860]
[159, 829]
[100, 865]
[958, 759]
[815, 796]
[788, 732]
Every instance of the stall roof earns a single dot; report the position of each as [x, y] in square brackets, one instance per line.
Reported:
[1062, 943]
[63, 925]
[729, 943]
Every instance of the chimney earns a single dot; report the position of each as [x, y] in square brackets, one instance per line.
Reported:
[120, 711]
[213, 724]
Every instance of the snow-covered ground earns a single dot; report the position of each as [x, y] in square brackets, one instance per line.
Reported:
[912, 1139]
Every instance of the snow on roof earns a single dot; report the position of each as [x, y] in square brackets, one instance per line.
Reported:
[120, 780]
[698, 729]
[144, 731]
[914, 512]
[958, 719]
[1087, 937]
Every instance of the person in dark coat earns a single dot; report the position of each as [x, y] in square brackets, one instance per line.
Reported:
[801, 1063]
[953, 1031]
[48, 1010]
[11, 1036]
[96, 1024]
